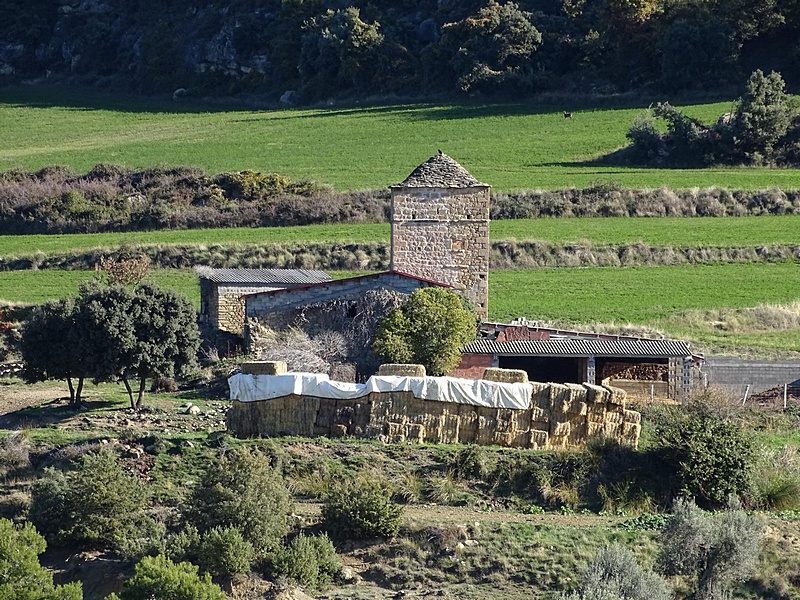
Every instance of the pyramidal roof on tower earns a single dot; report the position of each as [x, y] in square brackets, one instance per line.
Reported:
[440, 171]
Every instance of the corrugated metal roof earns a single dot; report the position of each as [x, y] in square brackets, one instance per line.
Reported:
[641, 348]
[265, 276]
[440, 171]
[345, 280]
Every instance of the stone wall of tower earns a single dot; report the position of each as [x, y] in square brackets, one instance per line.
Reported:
[443, 234]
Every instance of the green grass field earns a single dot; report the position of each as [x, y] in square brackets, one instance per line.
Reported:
[510, 146]
[668, 231]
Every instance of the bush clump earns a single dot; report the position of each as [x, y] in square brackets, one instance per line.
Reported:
[712, 551]
[98, 505]
[241, 490]
[311, 561]
[21, 575]
[224, 551]
[361, 509]
[712, 458]
[159, 577]
[614, 574]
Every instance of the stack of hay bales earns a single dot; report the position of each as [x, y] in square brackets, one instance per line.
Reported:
[560, 416]
[289, 415]
[541, 414]
[568, 411]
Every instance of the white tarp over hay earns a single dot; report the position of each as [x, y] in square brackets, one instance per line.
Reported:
[478, 392]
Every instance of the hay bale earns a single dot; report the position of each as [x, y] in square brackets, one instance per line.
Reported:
[596, 393]
[263, 367]
[595, 429]
[560, 399]
[539, 414]
[401, 370]
[629, 434]
[577, 434]
[450, 423]
[559, 429]
[487, 425]
[615, 415]
[577, 408]
[596, 412]
[467, 424]
[505, 375]
[415, 433]
[540, 395]
[631, 416]
[538, 439]
[616, 395]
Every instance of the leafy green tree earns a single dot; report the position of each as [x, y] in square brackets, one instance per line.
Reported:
[98, 504]
[159, 577]
[52, 347]
[339, 49]
[106, 321]
[712, 551]
[242, 490]
[763, 114]
[21, 575]
[166, 337]
[697, 54]
[429, 329]
[492, 48]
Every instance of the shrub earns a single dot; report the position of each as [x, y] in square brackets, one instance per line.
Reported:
[310, 561]
[712, 551]
[361, 509]
[776, 480]
[713, 458]
[21, 575]
[97, 505]
[159, 577]
[430, 329]
[614, 574]
[224, 551]
[646, 143]
[242, 490]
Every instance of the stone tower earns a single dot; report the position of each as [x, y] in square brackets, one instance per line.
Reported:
[440, 228]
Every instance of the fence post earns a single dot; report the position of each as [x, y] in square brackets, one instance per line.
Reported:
[746, 392]
[785, 394]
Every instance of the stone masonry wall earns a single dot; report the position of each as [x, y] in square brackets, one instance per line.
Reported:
[230, 309]
[443, 234]
[561, 416]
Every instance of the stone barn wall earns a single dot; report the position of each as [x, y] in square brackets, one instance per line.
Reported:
[442, 234]
[560, 416]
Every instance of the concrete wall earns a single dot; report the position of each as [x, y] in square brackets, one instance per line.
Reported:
[735, 374]
[443, 234]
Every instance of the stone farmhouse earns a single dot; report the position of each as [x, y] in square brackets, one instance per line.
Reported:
[440, 236]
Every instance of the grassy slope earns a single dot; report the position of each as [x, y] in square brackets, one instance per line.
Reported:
[511, 146]
[676, 232]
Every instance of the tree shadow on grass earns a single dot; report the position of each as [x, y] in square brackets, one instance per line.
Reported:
[49, 413]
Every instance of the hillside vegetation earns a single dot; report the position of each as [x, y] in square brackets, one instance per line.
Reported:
[318, 50]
